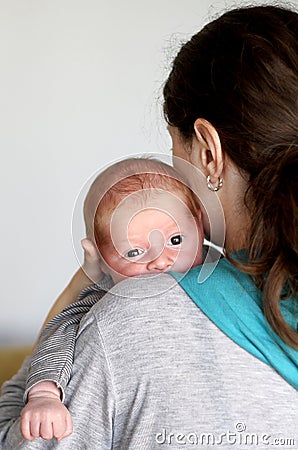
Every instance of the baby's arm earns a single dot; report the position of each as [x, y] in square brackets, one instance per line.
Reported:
[51, 366]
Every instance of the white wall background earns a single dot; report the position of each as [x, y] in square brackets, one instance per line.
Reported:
[80, 85]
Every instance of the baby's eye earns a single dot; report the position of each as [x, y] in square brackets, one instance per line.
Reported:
[176, 240]
[134, 252]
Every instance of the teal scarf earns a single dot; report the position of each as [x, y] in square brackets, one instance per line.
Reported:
[230, 299]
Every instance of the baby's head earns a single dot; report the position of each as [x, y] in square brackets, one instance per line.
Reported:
[144, 219]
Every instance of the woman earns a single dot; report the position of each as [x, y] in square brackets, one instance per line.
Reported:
[150, 368]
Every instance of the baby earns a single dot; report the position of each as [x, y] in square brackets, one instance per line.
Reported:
[145, 221]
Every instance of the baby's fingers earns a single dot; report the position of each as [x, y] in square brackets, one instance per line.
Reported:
[46, 418]
[45, 429]
[67, 428]
[25, 428]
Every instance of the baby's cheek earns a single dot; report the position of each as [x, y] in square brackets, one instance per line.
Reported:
[134, 269]
[130, 269]
[198, 258]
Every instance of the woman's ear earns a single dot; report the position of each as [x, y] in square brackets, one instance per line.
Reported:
[209, 149]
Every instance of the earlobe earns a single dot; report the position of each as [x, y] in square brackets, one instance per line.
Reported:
[209, 147]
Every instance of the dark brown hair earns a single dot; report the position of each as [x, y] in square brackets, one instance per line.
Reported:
[241, 74]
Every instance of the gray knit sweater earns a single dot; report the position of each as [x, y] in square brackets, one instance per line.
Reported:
[151, 371]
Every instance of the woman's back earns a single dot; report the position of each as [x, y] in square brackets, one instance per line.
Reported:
[167, 371]
[151, 370]
[164, 370]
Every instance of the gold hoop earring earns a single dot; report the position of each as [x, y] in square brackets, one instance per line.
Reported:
[210, 185]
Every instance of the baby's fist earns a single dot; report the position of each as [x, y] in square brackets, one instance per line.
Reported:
[46, 418]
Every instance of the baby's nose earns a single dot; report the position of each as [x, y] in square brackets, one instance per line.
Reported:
[162, 263]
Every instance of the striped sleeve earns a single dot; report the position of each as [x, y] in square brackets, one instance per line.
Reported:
[53, 356]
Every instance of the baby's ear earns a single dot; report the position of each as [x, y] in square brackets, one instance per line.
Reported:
[92, 261]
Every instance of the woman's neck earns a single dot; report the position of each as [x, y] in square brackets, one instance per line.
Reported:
[236, 231]
[237, 217]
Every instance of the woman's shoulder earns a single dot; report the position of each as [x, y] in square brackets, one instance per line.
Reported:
[141, 294]
[137, 311]
[218, 274]
[142, 307]
[173, 293]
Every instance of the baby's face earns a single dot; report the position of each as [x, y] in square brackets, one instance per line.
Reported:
[159, 237]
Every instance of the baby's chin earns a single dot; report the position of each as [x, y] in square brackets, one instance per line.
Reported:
[178, 266]
[117, 277]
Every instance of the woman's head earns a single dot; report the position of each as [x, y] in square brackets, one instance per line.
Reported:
[146, 219]
[240, 74]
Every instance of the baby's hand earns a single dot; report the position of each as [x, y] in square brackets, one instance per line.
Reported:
[45, 415]
[92, 261]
